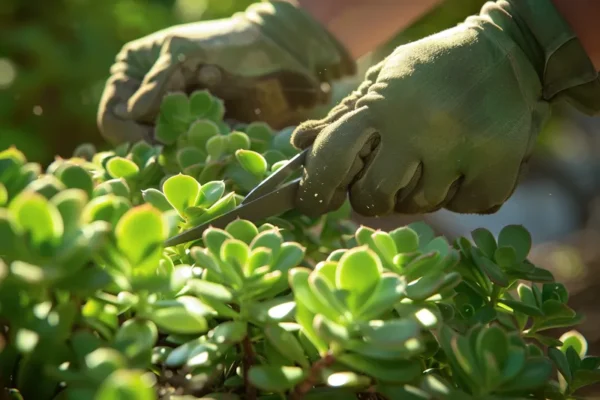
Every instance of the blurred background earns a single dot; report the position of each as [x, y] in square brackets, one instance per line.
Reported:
[55, 57]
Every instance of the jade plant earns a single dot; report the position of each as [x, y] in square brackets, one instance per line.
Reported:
[93, 306]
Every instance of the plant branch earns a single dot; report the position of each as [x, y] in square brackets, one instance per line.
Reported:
[248, 361]
[313, 377]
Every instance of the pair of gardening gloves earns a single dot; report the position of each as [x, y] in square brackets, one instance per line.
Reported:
[448, 121]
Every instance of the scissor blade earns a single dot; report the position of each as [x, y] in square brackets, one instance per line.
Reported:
[274, 203]
[275, 179]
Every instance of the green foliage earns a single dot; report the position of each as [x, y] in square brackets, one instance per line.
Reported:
[92, 306]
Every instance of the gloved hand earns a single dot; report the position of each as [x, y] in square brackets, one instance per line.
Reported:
[448, 121]
[266, 63]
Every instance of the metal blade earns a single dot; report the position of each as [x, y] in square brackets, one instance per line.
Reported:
[269, 205]
[275, 179]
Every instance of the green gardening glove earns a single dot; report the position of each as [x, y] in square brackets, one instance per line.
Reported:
[448, 121]
[266, 63]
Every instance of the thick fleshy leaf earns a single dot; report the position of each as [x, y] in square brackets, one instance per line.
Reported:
[390, 289]
[252, 162]
[211, 290]
[210, 193]
[237, 141]
[119, 167]
[242, 230]
[406, 240]
[275, 378]
[186, 315]
[560, 360]
[181, 191]
[229, 332]
[200, 131]
[109, 208]
[397, 371]
[127, 385]
[287, 344]
[517, 237]
[75, 177]
[70, 204]
[189, 156]
[140, 235]
[391, 333]
[385, 246]
[38, 217]
[157, 199]
[118, 187]
[359, 272]
[485, 241]
[216, 146]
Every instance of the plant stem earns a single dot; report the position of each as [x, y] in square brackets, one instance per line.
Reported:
[313, 377]
[248, 361]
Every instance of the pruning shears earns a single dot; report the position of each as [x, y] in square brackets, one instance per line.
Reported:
[271, 197]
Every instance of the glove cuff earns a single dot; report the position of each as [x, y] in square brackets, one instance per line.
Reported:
[296, 31]
[565, 69]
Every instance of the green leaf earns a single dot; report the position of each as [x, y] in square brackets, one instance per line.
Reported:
[425, 287]
[136, 337]
[299, 282]
[140, 234]
[235, 252]
[275, 378]
[118, 187]
[157, 199]
[406, 240]
[358, 272]
[200, 131]
[397, 371]
[230, 332]
[424, 231]
[505, 257]
[389, 290]
[216, 146]
[3, 195]
[492, 349]
[526, 295]
[38, 217]
[385, 246]
[223, 206]
[584, 378]
[492, 270]
[522, 307]
[173, 118]
[119, 167]
[182, 191]
[391, 333]
[259, 257]
[200, 102]
[243, 230]
[127, 385]
[535, 374]
[286, 344]
[517, 237]
[270, 239]
[70, 204]
[211, 290]
[75, 177]
[330, 331]
[555, 291]
[252, 162]
[186, 315]
[109, 208]
[237, 141]
[485, 241]
[189, 156]
[210, 193]
[575, 340]
[560, 360]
